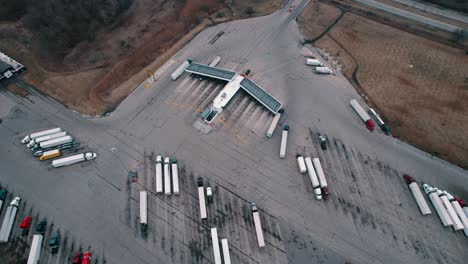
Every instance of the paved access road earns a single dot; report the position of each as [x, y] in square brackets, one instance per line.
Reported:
[370, 217]
[435, 10]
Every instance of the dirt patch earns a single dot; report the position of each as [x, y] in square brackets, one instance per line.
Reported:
[420, 86]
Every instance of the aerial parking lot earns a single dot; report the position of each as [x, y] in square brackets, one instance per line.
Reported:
[115, 208]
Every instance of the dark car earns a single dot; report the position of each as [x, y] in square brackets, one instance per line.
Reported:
[54, 242]
[323, 141]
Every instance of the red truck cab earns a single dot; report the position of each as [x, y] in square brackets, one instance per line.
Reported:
[408, 179]
[78, 258]
[370, 124]
[325, 193]
[86, 258]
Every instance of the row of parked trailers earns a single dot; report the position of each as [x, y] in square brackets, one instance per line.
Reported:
[367, 119]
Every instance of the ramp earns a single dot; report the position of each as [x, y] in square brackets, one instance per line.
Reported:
[261, 95]
[211, 72]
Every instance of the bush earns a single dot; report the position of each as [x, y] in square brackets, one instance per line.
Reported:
[250, 11]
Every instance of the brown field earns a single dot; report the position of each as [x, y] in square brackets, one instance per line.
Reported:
[94, 77]
[420, 86]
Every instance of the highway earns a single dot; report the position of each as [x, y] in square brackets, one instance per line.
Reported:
[371, 216]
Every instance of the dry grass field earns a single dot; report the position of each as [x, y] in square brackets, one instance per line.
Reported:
[420, 86]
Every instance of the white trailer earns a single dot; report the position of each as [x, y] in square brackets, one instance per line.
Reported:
[216, 251]
[301, 164]
[258, 225]
[362, 114]
[159, 179]
[143, 208]
[45, 138]
[457, 224]
[180, 70]
[284, 141]
[7, 224]
[215, 61]
[422, 204]
[313, 178]
[440, 209]
[35, 251]
[323, 70]
[314, 62]
[175, 176]
[167, 177]
[55, 142]
[273, 124]
[201, 198]
[226, 255]
[32, 136]
[319, 171]
[456, 206]
[73, 159]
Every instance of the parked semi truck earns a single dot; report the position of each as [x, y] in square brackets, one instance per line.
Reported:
[274, 122]
[143, 213]
[284, 141]
[438, 206]
[313, 178]
[362, 114]
[159, 177]
[32, 136]
[258, 225]
[180, 69]
[201, 198]
[35, 251]
[215, 241]
[9, 219]
[321, 177]
[420, 201]
[458, 209]
[457, 224]
[323, 70]
[73, 159]
[463, 205]
[175, 176]
[50, 154]
[167, 177]
[385, 128]
[226, 254]
[45, 138]
[54, 142]
[314, 62]
[37, 152]
[301, 164]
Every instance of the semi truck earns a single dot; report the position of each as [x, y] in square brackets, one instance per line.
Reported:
[284, 141]
[201, 198]
[457, 224]
[301, 164]
[37, 152]
[143, 213]
[385, 128]
[175, 176]
[215, 241]
[54, 142]
[35, 251]
[159, 179]
[73, 159]
[215, 61]
[314, 62]
[438, 206]
[9, 219]
[258, 225]
[45, 138]
[463, 205]
[226, 254]
[50, 154]
[458, 209]
[273, 124]
[167, 177]
[323, 70]
[321, 177]
[362, 114]
[180, 69]
[313, 178]
[32, 136]
[3, 194]
[420, 201]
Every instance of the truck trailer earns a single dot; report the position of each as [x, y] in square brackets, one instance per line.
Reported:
[143, 213]
[314, 62]
[9, 219]
[420, 201]
[45, 138]
[167, 177]
[438, 206]
[50, 154]
[35, 251]
[180, 69]
[32, 136]
[380, 122]
[323, 70]
[301, 164]
[159, 177]
[321, 177]
[458, 209]
[313, 178]
[258, 225]
[362, 114]
[215, 61]
[175, 176]
[201, 198]
[284, 141]
[226, 254]
[55, 142]
[73, 159]
[457, 224]
[215, 241]
[273, 124]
